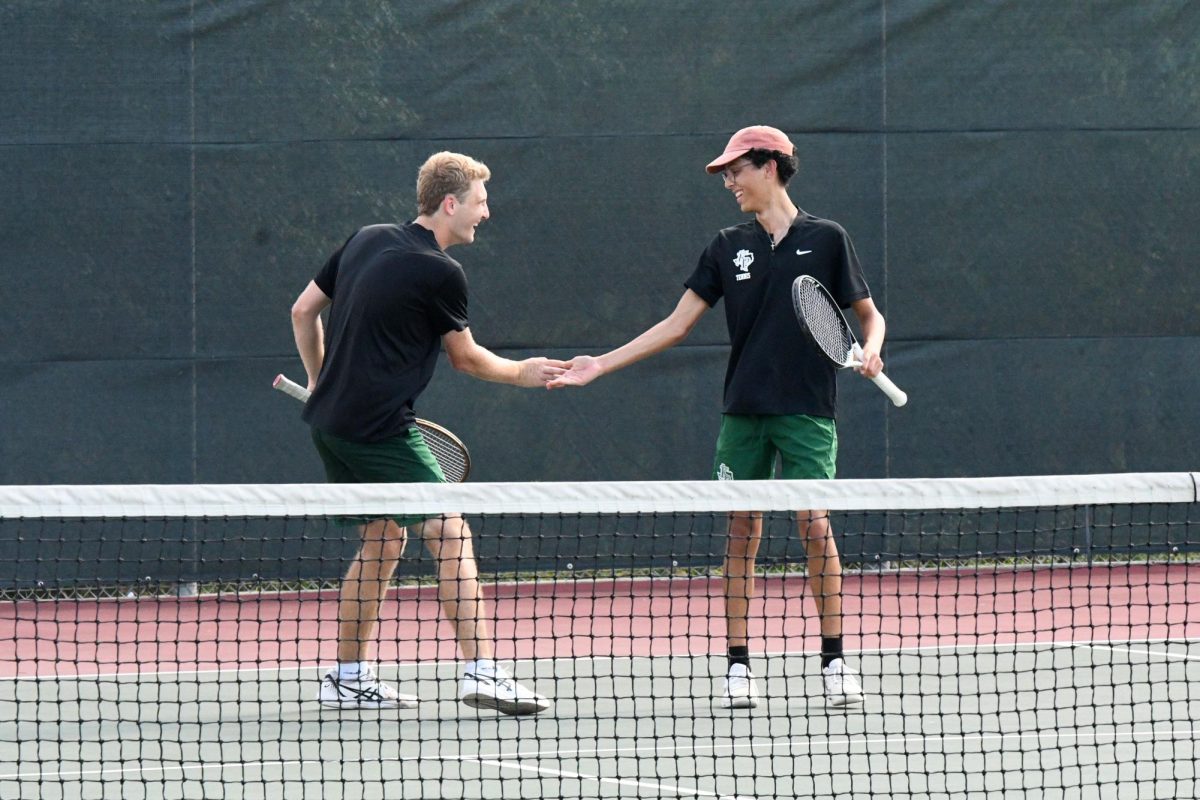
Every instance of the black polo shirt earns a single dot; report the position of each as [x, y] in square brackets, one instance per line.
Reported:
[773, 367]
[395, 293]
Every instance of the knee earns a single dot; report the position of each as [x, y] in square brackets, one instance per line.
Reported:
[814, 526]
[744, 533]
[393, 547]
[740, 552]
[447, 538]
[739, 546]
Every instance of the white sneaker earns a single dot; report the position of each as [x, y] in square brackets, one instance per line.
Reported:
[495, 690]
[366, 693]
[741, 690]
[841, 686]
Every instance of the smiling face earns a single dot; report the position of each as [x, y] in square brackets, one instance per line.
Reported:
[750, 185]
[467, 212]
[451, 197]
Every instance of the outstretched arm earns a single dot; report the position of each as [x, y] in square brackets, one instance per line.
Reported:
[466, 355]
[306, 327]
[667, 333]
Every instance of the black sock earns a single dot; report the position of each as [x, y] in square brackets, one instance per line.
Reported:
[739, 654]
[831, 648]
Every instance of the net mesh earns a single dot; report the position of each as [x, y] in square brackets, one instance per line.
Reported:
[1025, 637]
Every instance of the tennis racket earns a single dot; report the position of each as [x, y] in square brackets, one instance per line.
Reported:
[825, 324]
[451, 454]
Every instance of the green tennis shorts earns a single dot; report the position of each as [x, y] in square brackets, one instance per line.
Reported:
[749, 444]
[401, 459]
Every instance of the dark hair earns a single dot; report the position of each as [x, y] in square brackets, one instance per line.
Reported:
[785, 166]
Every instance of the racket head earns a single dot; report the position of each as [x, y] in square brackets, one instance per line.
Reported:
[823, 321]
[451, 454]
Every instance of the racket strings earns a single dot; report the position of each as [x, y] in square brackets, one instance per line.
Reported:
[824, 322]
[449, 454]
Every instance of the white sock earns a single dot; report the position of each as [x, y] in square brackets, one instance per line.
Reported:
[351, 670]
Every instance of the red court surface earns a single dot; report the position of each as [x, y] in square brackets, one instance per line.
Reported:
[635, 617]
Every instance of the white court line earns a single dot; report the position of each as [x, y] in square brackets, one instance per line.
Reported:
[1159, 654]
[107, 772]
[827, 745]
[418, 665]
[558, 773]
[976, 646]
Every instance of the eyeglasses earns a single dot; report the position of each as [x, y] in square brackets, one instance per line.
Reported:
[730, 173]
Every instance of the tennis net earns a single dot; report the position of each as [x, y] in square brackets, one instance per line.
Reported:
[1013, 637]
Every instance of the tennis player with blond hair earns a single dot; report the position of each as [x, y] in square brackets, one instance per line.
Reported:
[395, 299]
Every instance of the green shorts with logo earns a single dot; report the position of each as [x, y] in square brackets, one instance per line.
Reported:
[749, 444]
[401, 459]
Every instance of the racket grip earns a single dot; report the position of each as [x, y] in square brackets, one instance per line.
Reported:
[894, 392]
[290, 388]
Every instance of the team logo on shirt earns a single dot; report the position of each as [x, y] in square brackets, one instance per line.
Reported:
[742, 261]
[724, 473]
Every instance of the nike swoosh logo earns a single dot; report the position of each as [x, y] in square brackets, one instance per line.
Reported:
[803, 252]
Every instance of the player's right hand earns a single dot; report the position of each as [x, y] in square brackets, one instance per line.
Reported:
[582, 371]
[536, 371]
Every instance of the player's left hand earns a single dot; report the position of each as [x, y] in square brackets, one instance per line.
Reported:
[872, 364]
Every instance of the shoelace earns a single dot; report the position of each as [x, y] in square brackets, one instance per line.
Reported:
[503, 683]
[370, 692]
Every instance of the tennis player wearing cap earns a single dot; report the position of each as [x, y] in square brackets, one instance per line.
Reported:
[395, 299]
[780, 391]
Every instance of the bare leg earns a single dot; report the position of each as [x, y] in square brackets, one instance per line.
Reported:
[824, 569]
[448, 540]
[825, 580]
[741, 548]
[483, 686]
[365, 586]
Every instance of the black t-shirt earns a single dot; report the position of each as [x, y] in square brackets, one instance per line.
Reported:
[773, 367]
[395, 293]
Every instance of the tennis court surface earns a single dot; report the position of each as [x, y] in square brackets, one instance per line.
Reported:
[1024, 637]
